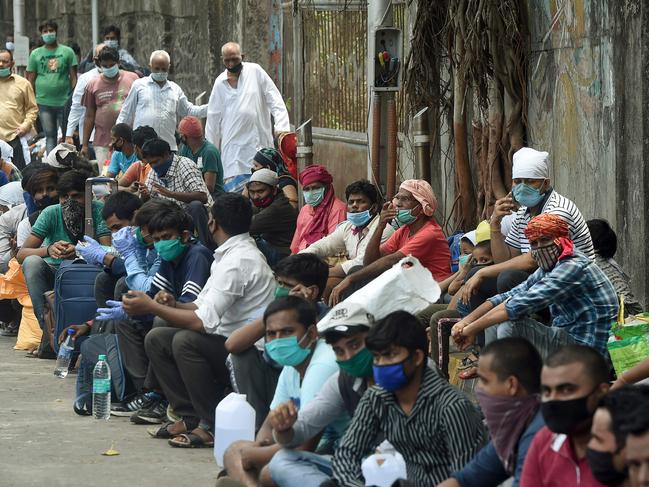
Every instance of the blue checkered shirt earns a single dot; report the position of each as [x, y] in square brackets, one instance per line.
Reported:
[581, 299]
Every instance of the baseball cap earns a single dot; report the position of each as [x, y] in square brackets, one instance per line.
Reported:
[347, 319]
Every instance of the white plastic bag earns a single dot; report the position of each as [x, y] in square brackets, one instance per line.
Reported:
[385, 467]
[407, 286]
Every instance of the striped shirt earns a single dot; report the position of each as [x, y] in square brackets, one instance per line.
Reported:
[442, 433]
[556, 205]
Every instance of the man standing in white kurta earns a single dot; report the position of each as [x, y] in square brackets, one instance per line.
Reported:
[238, 115]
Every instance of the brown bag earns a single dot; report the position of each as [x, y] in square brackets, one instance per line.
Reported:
[48, 316]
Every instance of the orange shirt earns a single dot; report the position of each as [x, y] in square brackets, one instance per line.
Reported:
[137, 171]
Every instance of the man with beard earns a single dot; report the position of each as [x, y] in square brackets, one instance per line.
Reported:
[54, 234]
[573, 380]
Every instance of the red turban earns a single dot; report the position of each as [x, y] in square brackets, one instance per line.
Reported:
[190, 127]
[547, 225]
[315, 173]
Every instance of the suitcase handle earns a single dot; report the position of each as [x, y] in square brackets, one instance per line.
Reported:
[89, 224]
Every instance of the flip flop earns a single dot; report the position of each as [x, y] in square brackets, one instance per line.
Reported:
[192, 440]
[162, 432]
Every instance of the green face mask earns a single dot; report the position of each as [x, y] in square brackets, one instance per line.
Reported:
[4, 72]
[140, 238]
[170, 250]
[281, 291]
[360, 365]
[49, 38]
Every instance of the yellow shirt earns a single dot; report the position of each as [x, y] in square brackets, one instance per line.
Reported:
[17, 105]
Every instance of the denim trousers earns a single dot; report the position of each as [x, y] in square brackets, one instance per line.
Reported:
[295, 468]
[51, 119]
[39, 276]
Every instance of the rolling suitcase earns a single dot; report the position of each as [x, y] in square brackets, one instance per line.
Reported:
[74, 283]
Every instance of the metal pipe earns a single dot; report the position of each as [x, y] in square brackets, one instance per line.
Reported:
[392, 145]
[304, 151]
[375, 149]
[421, 136]
[95, 22]
[19, 18]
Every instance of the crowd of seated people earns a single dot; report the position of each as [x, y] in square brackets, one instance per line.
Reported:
[211, 292]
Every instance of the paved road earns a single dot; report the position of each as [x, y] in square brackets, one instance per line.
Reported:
[44, 443]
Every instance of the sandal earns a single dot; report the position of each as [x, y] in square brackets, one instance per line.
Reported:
[468, 368]
[192, 440]
[162, 432]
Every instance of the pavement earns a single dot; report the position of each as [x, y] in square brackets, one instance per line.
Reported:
[44, 443]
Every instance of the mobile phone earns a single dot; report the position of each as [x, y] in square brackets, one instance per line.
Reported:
[516, 204]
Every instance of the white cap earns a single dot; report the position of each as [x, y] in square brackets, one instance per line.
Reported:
[530, 164]
[345, 317]
[60, 152]
[265, 176]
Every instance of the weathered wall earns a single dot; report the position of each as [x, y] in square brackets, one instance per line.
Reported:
[587, 106]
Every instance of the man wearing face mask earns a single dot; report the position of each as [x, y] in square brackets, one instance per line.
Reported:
[581, 299]
[434, 427]
[54, 234]
[157, 102]
[351, 237]
[112, 38]
[254, 374]
[273, 220]
[188, 356]
[103, 100]
[322, 211]
[419, 235]
[573, 380]
[238, 116]
[606, 451]
[509, 374]
[52, 71]
[121, 141]
[532, 194]
[291, 341]
[18, 106]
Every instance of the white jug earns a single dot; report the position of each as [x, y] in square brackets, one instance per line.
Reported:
[234, 420]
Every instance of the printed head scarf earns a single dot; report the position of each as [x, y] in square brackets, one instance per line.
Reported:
[73, 212]
[271, 159]
[319, 225]
[530, 164]
[423, 193]
[547, 225]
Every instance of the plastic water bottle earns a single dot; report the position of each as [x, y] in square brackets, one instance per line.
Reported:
[64, 356]
[234, 420]
[101, 389]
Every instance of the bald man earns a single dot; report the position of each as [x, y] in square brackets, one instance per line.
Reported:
[157, 102]
[238, 116]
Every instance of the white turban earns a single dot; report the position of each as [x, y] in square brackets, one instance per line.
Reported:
[530, 164]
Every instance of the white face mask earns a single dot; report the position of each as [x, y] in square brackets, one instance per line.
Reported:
[114, 43]
[10, 46]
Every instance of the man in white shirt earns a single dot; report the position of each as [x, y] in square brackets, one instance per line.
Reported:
[188, 357]
[238, 115]
[157, 102]
[77, 115]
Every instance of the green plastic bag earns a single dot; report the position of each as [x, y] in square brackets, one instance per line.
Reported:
[627, 353]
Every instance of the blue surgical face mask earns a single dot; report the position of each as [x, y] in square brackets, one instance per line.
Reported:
[114, 43]
[405, 217]
[391, 377]
[110, 72]
[314, 197]
[359, 219]
[159, 77]
[287, 351]
[464, 259]
[527, 195]
[49, 38]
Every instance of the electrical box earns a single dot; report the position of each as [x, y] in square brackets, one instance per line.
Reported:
[388, 59]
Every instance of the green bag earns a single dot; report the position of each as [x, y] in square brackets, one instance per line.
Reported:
[627, 353]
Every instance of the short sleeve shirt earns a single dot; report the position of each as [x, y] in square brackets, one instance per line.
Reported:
[52, 68]
[119, 162]
[137, 171]
[50, 228]
[208, 159]
[428, 245]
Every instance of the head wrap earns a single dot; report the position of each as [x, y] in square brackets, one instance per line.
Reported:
[315, 173]
[423, 193]
[319, 225]
[63, 156]
[530, 164]
[287, 143]
[547, 225]
[190, 127]
[11, 194]
[272, 160]
[265, 176]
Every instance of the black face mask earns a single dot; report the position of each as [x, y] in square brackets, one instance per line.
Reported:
[236, 69]
[565, 416]
[46, 201]
[601, 464]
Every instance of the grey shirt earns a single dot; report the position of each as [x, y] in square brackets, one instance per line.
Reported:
[8, 228]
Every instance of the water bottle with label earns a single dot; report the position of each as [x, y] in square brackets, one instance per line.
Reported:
[64, 356]
[101, 389]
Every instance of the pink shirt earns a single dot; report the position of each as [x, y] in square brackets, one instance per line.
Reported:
[337, 214]
[551, 462]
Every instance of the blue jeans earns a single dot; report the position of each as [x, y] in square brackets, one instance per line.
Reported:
[546, 339]
[51, 120]
[295, 468]
[39, 276]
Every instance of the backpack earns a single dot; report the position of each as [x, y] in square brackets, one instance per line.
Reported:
[102, 344]
[454, 246]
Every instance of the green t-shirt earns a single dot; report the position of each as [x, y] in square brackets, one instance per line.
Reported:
[52, 68]
[49, 226]
[208, 159]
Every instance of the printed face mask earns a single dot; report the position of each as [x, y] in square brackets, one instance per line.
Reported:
[546, 257]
